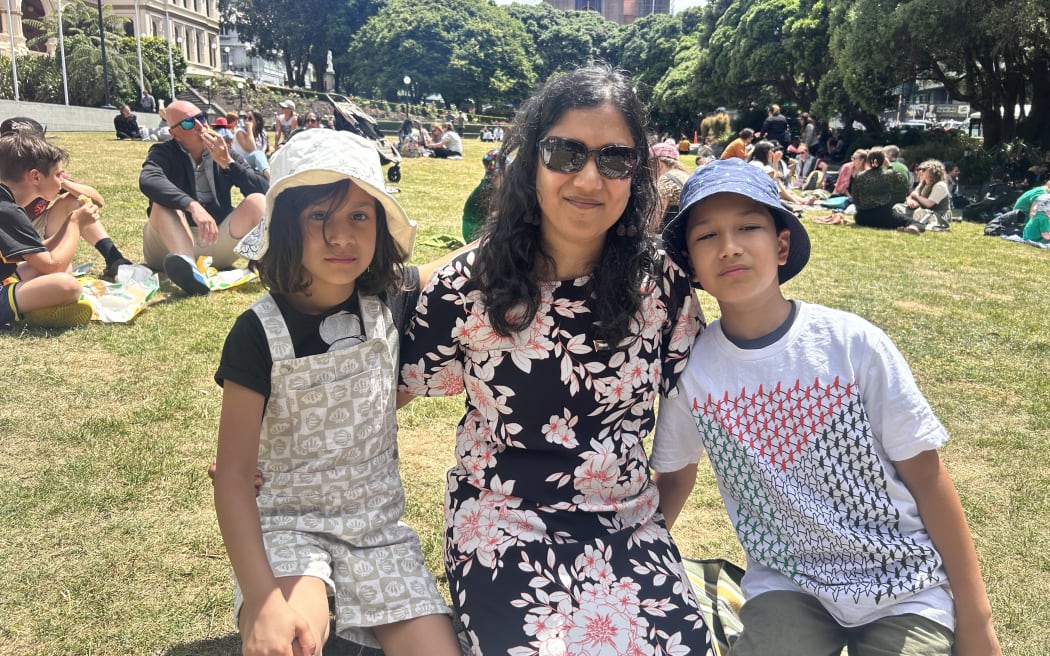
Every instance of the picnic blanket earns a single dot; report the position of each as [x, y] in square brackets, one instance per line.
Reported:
[1022, 240]
[135, 285]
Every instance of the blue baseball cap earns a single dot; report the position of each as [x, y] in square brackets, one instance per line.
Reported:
[735, 176]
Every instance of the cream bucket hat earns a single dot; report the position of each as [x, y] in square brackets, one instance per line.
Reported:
[321, 156]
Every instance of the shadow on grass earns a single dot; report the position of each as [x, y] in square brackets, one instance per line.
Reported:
[230, 645]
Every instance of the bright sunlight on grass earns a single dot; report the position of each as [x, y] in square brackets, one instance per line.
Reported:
[110, 544]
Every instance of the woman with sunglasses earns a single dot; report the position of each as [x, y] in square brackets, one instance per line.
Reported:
[562, 326]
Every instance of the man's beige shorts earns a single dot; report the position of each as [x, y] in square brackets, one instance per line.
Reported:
[222, 254]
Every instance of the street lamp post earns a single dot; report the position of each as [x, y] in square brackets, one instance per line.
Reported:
[207, 85]
[408, 89]
[240, 92]
[105, 65]
[226, 50]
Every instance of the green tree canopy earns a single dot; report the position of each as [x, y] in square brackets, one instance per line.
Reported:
[563, 40]
[764, 51]
[992, 53]
[467, 49]
[283, 30]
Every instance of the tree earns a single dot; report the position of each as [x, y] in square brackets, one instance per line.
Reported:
[155, 65]
[464, 50]
[343, 23]
[280, 29]
[992, 53]
[764, 51]
[647, 49]
[562, 40]
[84, 53]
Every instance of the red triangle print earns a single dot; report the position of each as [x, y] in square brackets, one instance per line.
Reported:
[778, 423]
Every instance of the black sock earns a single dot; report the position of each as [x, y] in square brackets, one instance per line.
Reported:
[109, 250]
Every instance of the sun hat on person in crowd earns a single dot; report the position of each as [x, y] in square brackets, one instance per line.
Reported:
[317, 157]
[664, 149]
[220, 122]
[735, 176]
[286, 104]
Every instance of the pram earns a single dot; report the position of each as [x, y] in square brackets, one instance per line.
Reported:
[352, 118]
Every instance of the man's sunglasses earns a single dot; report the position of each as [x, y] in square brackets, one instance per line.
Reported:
[569, 156]
[190, 122]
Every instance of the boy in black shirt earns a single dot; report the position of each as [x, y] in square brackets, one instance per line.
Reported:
[35, 281]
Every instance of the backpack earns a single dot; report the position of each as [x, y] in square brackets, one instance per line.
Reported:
[1006, 224]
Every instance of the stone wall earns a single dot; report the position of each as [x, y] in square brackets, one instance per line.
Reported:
[60, 118]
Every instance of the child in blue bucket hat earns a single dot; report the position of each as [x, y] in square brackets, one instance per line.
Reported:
[823, 446]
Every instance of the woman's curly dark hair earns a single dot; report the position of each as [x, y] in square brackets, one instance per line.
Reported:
[281, 268]
[506, 268]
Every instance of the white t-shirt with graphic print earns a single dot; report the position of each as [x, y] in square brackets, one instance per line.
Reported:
[802, 435]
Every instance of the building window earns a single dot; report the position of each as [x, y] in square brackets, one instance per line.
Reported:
[589, 5]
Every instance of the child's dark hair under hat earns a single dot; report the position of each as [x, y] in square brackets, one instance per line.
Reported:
[736, 176]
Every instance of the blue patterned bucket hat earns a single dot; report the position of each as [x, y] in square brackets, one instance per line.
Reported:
[735, 176]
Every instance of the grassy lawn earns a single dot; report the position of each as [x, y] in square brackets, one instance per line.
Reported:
[110, 543]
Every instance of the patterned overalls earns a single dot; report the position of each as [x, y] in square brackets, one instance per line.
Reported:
[332, 497]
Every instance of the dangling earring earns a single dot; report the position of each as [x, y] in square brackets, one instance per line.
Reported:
[626, 231]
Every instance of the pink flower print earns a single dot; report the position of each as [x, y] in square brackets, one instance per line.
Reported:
[559, 430]
[414, 382]
[483, 400]
[617, 391]
[687, 327]
[593, 564]
[448, 380]
[549, 630]
[524, 526]
[653, 314]
[636, 373]
[475, 528]
[597, 630]
[625, 591]
[596, 478]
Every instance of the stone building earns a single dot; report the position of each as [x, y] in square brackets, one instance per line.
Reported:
[618, 11]
[191, 25]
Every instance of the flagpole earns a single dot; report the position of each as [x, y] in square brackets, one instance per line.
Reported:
[138, 44]
[171, 70]
[11, 34]
[62, 54]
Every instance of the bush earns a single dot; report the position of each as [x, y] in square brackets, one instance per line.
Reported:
[39, 79]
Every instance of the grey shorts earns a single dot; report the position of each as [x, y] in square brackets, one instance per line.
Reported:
[369, 586]
[795, 624]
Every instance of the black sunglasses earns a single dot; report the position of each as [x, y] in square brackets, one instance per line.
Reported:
[189, 122]
[569, 156]
[311, 120]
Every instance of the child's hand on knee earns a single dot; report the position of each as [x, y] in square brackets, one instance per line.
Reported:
[277, 628]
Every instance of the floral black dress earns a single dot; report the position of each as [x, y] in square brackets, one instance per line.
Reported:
[553, 541]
